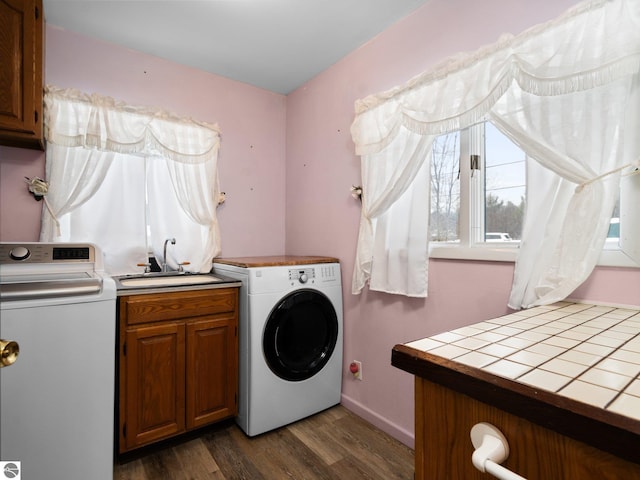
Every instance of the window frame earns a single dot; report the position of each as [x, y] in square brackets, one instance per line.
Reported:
[471, 244]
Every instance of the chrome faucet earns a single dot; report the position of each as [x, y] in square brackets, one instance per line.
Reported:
[165, 267]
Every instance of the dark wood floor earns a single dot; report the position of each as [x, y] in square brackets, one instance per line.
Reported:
[334, 444]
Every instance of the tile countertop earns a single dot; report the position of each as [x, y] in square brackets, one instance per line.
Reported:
[573, 368]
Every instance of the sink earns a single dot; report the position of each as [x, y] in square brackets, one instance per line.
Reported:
[169, 280]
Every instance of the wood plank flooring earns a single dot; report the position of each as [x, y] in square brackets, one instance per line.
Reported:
[334, 444]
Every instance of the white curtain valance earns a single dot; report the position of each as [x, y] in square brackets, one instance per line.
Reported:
[116, 170]
[592, 44]
[566, 92]
[74, 119]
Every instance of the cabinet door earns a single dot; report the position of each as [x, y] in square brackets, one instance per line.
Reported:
[21, 24]
[212, 380]
[155, 383]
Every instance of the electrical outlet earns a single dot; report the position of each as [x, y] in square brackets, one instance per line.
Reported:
[356, 369]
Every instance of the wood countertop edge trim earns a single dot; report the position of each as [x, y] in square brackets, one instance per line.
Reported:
[274, 260]
[605, 430]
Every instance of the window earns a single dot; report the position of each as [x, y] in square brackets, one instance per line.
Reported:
[478, 199]
[127, 178]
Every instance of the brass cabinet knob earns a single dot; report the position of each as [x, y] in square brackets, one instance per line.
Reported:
[9, 351]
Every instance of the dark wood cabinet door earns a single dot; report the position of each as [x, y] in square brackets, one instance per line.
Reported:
[21, 93]
[212, 379]
[155, 386]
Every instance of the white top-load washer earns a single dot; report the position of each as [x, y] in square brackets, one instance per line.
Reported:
[57, 325]
[291, 330]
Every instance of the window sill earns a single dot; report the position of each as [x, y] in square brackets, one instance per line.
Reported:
[610, 257]
[486, 253]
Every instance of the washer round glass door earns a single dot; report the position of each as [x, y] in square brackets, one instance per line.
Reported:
[300, 335]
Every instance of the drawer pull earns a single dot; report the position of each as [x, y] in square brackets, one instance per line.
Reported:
[491, 449]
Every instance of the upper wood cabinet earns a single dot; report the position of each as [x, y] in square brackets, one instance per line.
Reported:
[21, 70]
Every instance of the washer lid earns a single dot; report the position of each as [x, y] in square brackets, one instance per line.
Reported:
[48, 285]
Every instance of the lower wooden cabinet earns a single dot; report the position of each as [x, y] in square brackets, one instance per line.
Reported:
[178, 363]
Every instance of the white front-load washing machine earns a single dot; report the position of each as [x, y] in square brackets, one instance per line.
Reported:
[290, 338]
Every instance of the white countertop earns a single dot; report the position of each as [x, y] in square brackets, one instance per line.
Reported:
[589, 353]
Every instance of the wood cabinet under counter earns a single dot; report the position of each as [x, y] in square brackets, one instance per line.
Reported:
[561, 382]
[178, 363]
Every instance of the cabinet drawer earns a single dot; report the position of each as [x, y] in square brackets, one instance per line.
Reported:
[169, 306]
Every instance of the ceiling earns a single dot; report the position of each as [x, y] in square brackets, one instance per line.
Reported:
[277, 45]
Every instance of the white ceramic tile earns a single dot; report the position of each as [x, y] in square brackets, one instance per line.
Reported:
[569, 322]
[627, 405]
[561, 342]
[575, 307]
[601, 309]
[489, 336]
[581, 317]
[625, 329]
[425, 344]
[607, 341]
[498, 350]
[502, 321]
[544, 348]
[524, 325]
[447, 337]
[484, 326]
[563, 367]
[537, 321]
[552, 315]
[449, 351]
[602, 323]
[545, 380]
[634, 388]
[588, 330]
[626, 356]
[508, 331]
[538, 337]
[621, 313]
[471, 343]
[549, 329]
[619, 366]
[632, 345]
[582, 358]
[574, 335]
[587, 347]
[528, 358]
[616, 334]
[507, 369]
[466, 331]
[476, 359]
[605, 379]
[514, 342]
[588, 393]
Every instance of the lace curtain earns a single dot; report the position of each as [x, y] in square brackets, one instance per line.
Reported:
[566, 92]
[113, 169]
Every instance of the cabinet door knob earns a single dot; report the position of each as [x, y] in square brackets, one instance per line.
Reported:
[9, 351]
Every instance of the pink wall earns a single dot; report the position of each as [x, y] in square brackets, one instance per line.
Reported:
[252, 121]
[291, 158]
[322, 218]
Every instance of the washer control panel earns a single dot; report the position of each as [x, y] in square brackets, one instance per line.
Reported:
[45, 253]
[302, 275]
[318, 274]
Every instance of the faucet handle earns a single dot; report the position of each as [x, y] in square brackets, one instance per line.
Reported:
[147, 267]
[180, 265]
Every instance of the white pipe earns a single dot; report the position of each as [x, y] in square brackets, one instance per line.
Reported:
[491, 449]
[500, 472]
